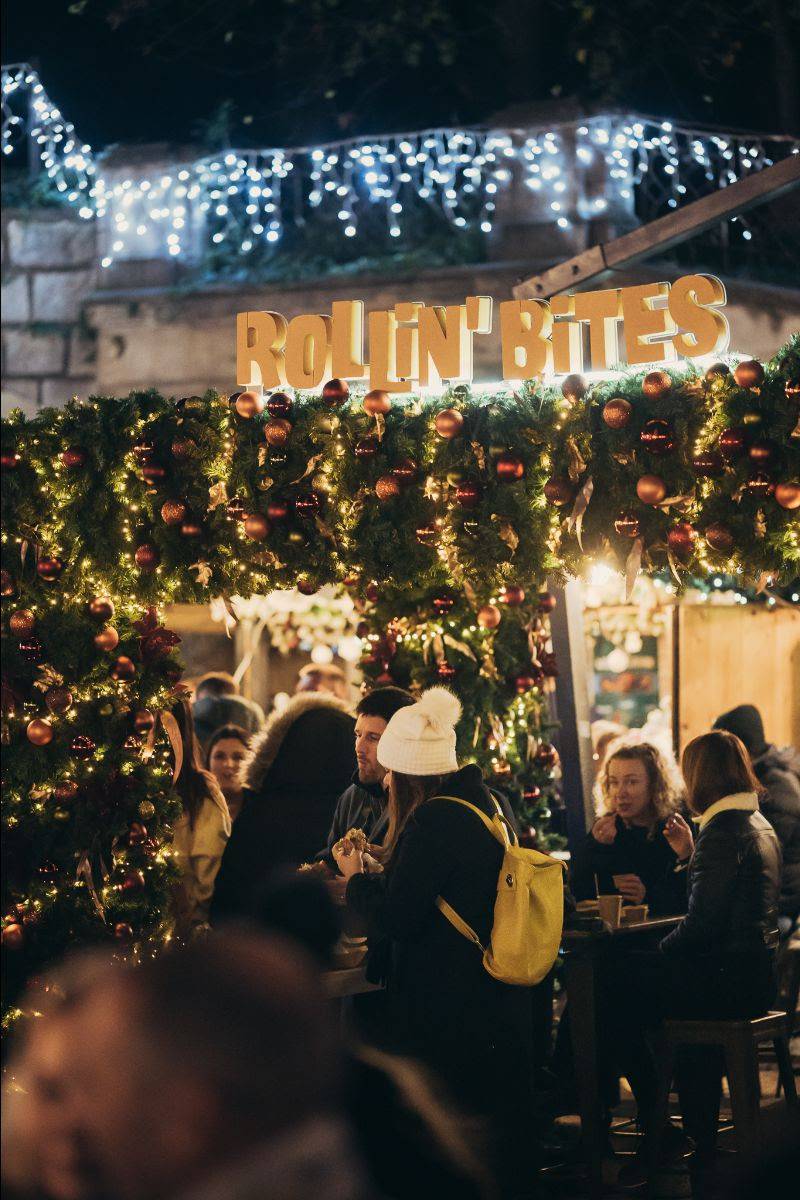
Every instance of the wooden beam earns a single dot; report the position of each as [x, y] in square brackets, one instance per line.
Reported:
[665, 232]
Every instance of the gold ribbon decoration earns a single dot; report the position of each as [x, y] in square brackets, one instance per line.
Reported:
[673, 566]
[461, 647]
[48, 678]
[681, 503]
[311, 466]
[633, 566]
[577, 463]
[217, 494]
[480, 455]
[84, 873]
[760, 524]
[506, 532]
[170, 726]
[575, 522]
[204, 572]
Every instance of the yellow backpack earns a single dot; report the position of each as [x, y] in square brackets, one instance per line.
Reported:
[528, 911]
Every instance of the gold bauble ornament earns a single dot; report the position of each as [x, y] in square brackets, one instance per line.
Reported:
[39, 732]
[651, 489]
[656, 385]
[173, 512]
[101, 607]
[249, 404]
[277, 431]
[146, 809]
[489, 617]
[788, 495]
[449, 423]
[617, 412]
[377, 403]
[387, 488]
[107, 639]
[22, 622]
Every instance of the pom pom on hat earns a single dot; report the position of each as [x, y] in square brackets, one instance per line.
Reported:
[421, 738]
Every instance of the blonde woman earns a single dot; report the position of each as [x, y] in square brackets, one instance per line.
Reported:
[632, 847]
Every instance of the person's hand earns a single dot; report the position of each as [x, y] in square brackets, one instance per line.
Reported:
[679, 835]
[349, 860]
[604, 829]
[630, 887]
[337, 886]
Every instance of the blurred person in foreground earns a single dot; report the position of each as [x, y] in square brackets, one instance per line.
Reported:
[778, 772]
[210, 1073]
[217, 702]
[323, 677]
[227, 750]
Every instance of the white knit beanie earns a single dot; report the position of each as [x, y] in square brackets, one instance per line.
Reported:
[420, 739]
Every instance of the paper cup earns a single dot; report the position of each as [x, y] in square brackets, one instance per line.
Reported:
[610, 909]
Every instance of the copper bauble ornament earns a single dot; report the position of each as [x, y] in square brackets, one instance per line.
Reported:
[449, 423]
[183, 448]
[277, 510]
[468, 494]
[387, 488]
[681, 539]
[788, 495]
[6, 583]
[719, 537]
[404, 471]
[617, 412]
[31, 649]
[574, 388]
[173, 512]
[657, 437]
[123, 932]
[336, 392]
[249, 404]
[277, 431]
[12, 936]
[443, 602]
[147, 557]
[763, 452]
[759, 484]
[656, 385]
[546, 602]
[279, 404]
[58, 699]
[256, 526]
[107, 639]
[444, 671]
[9, 461]
[82, 746]
[39, 732]
[153, 473]
[235, 509]
[124, 669]
[717, 371]
[708, 464]
[366, 447]
[749, 374]
[308, 504]
[65, 791]
[74, 457]
[146, 809]
[651, 489]
[377, 403]
[513, 596]
[489, 616]
[22, 622]
[546, 756]
[101, 607]
[509, 467]
[559, 490]
[133, 881]
[306, 586]
[732, 442]
[49, 568]
[191, 528]
[137, 833]
[627, 525]
[425, 534]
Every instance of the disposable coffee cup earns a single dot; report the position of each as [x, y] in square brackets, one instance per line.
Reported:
[636, 913]
[610, 908]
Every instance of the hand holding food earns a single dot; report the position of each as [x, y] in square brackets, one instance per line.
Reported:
[355, 841]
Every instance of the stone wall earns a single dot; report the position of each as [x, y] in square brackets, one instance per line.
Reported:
[48, 271]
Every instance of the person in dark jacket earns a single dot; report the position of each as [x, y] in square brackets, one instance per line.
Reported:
[445, 1010]
[217, 702]
[778, 772]
[298, 767]
[626, 850]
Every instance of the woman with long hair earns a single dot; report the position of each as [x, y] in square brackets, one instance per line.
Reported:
[628, 849]
[227, 751]
[201, 832]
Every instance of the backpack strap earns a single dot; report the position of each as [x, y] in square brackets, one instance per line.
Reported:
[498, 831]
[458, 922]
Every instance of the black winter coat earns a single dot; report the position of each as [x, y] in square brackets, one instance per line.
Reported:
[734, 881]
[299, 767]
[633, 852]
[777, 771]
[444, 1007]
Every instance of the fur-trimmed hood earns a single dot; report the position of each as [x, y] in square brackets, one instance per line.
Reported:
[306, 743]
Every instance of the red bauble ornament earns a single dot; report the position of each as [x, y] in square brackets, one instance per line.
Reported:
[762, 453]
[306, 586]
[279, 404]
[546, 602]
[82, 746]
[335, 393]
[65, 791]
[513, 596]
[277, 431]
[143, 720]
[191, 528]
[107, 639]
[627, 525]
[759, 484]
[101, 607]
[445, 672]
[235, 509]
[123, 669]
[788, 495]
[153, 473]
[524, 681]
[559, 490]
[509, 467]
[617, 412]
[123, 932]
[40, 732]
[173, 512]
[708, 464]
[531, 794]
[443, 602]
[31, 649]
[137, 833]
[657, 437]
[404, 471]
[9, 461]
[12, 936]
[372, 592]
[425, 534]
[574, 388]
[681, 539]
[249, 404]
[182, 449]
[656, 385]
[147, 557]
[143, 450]
[22, 622]
[489, 616]
[58, 699]
[449, 423]
[792, 390]
[133, 881]
[749, 374]
[277, 510]
[732, 442]
[546, 756]
[651, 489]
[308, 505]
[366, 447]
[49, 569]
[468, 494]
[256, 526]
[377, 403]
[74, 457]
[719, 537]
[387, 488]
[717, 371]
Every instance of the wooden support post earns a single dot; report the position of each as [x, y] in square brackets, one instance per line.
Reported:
[572, 707]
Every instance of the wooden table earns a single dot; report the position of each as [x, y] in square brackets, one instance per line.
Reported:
[583, 949]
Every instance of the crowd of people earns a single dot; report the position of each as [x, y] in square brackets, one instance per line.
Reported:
[216, 1070]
